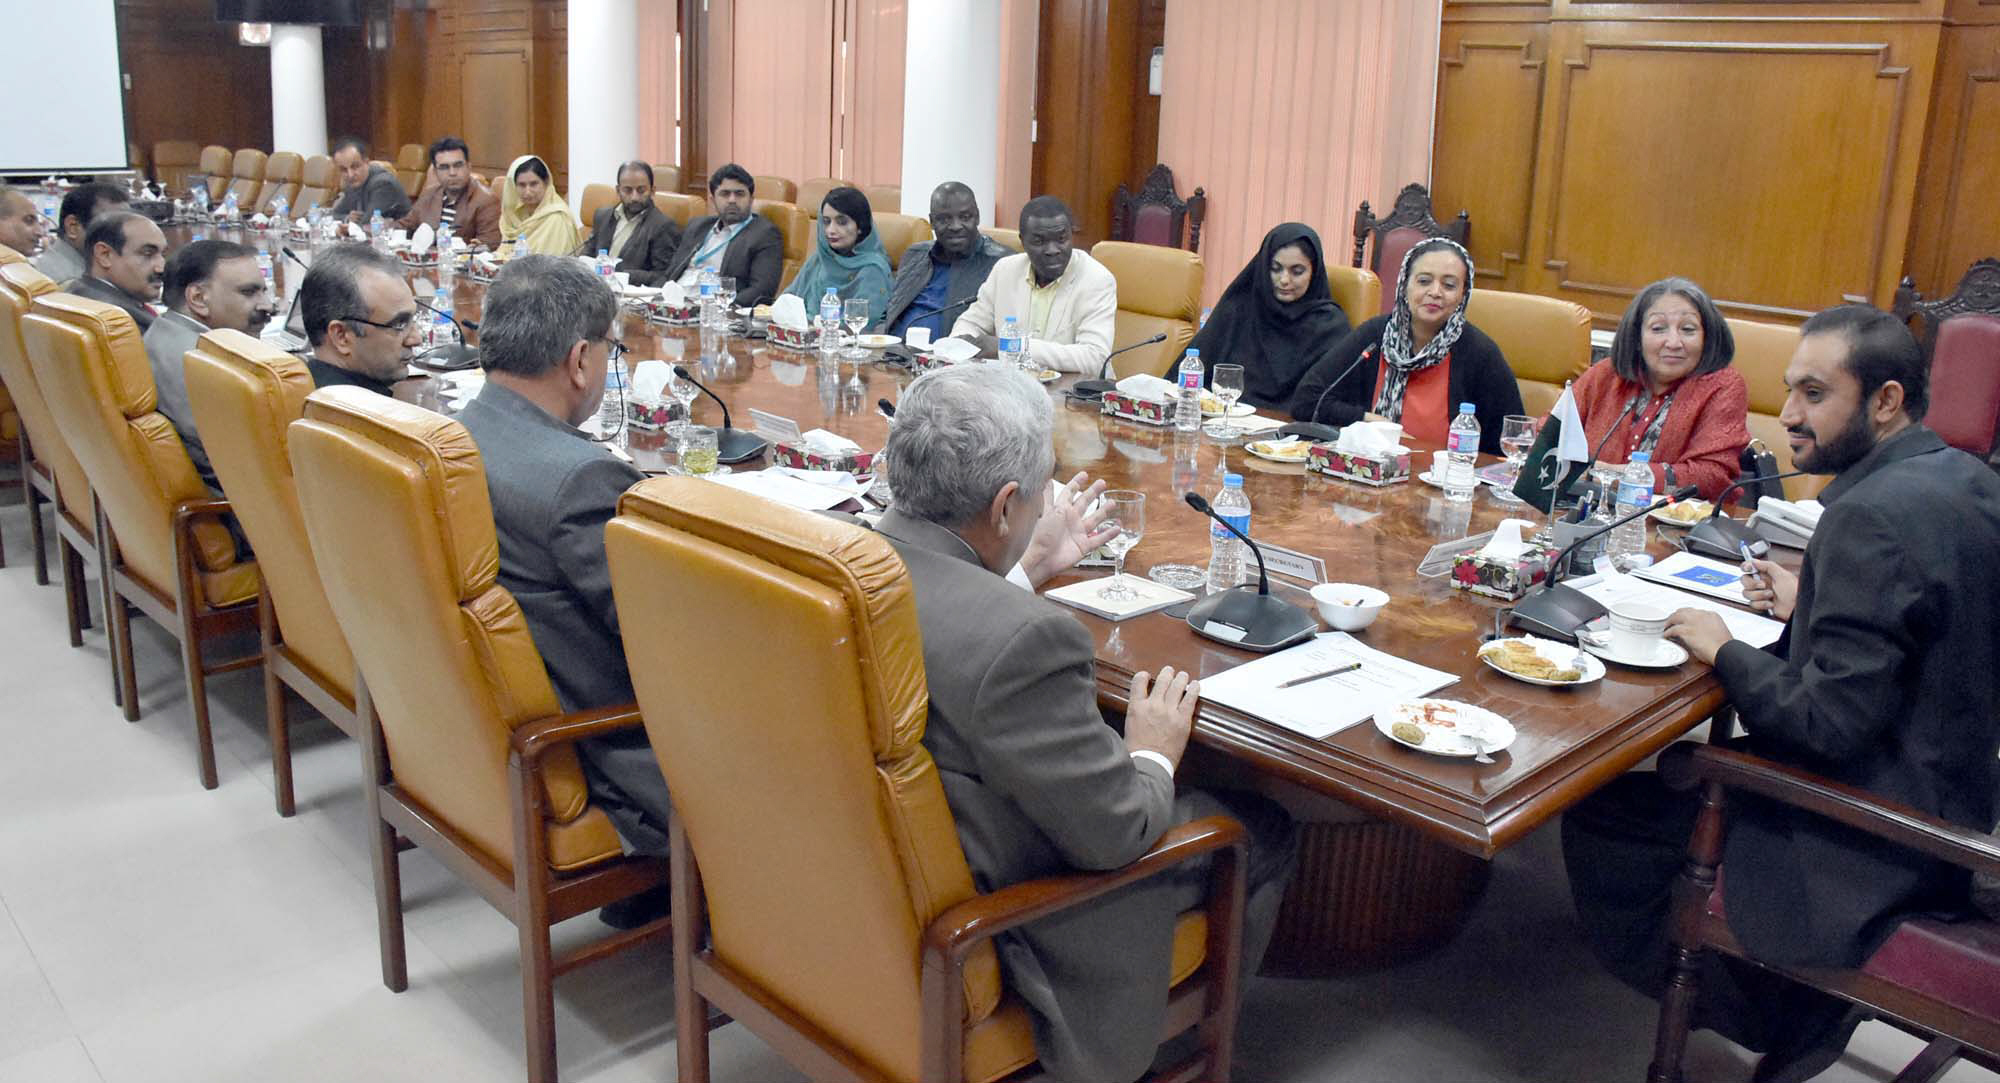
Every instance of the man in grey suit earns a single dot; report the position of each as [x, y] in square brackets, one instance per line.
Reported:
[210, 284]
[128, 261]
[545, 340]
[634, 231]
[67, 257]
[1037, 781]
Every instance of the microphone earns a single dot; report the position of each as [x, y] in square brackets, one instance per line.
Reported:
[1255, 622]
[936, 312]
[452, 355]
[1095, 389]
[1557, 610]
[1724, 539]
[888, 408]
[1314, 429]
[732, 445]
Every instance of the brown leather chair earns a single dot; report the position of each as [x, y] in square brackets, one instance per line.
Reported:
[1357, 292]
[596, 197]
[53, 475]
[797, 229]
[1159, 290]
[465, 751]
[215, 165]
[163, 547]
[884, 198]
[282, 175]
[245, 392]
[778, 189]
[1763, 352]
[1545, 341]
[666, 178]
[813, 192]
[413, 167]
[1408, 222]
[1156, 214]
[246, 178]
[679, 206]
[811, 839]
[318, 185]
[899, 232]
[174, 160]
[1006, 238]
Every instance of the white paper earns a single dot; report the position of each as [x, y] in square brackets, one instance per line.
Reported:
[783, 489]
[1147, 596]
[1318, 709]
[1748, 627]
[1700, 575]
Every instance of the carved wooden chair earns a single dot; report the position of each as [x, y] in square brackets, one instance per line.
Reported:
[1961, 335]
[1157, 215]
[1408, 222]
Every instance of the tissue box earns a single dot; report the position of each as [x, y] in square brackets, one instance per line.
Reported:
[800, 457]
[428, 259]
[686, 314]
[1507, 580]
[298, 233]
[807, 339]
[653, 413]
[1366, 469]
[1144, 411]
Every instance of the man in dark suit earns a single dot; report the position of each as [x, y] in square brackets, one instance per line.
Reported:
[545, 339]
[642, 239]
[938, 279]
[128, 263]
[66, 256]
[735, 241]
[1887, 679]
[1037, 781]
[360, 318]
[365, 187]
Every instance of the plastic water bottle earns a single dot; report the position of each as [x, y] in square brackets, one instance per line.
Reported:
[264, 265]
[604, 264]
[1010, 342]
[280, 207]
[829, 322]
[707, 285]
[445, 333]
[229, 210]
[1187, 411]
[1225, 552]
[200, 196]
[1635, 491]
[611, 408]
[375, 229]
[1462, 447]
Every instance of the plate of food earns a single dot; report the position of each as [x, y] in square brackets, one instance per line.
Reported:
[877, 342]
[1048, 376]
[1683, 512]
[1212, 407]
[1444, 727]
[1541, 661]
[1291, 449]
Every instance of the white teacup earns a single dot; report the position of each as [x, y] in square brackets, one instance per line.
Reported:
[1440, 463]
[1637, 629]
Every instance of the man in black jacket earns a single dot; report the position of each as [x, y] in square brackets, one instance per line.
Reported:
[634, 231]
[937, 279]
[128, 262]
[1887, 679]
[735, 241]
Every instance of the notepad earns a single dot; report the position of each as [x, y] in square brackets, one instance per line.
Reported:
[1611, 588]
[1146, 597]
[1698, 574]
[1321, 708]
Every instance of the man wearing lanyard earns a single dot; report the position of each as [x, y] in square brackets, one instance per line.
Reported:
[733, 242]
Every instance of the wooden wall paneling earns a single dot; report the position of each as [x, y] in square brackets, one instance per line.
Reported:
[1145, 152]
[172, 49]
[1489, 111]
[1957, 218]
[492, 45]
[548, 131]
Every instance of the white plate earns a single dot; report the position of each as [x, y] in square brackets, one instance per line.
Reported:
[1593, 670]
[1493, 733]
[1659, 515]
[1241, 409]
[1432, 480]
[1048, 376]
[1669, 655]
[1252, 446]
[877, 342]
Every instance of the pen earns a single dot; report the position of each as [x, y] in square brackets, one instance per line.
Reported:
[1348, 668]
[1750, 565]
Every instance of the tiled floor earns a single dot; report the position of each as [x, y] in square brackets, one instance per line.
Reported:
[151, 931]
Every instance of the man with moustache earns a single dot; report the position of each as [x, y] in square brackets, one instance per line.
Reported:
[21, 226]
[1066, 300]
[643, 240]
[67, 257]
[937, 278]
[128, 261]
[209, 285]
[734, 242]
[1886, 679]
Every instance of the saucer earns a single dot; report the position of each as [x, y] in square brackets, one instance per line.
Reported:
[1667, 656]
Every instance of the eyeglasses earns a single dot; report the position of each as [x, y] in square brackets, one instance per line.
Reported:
[398, 326]
[616, 347]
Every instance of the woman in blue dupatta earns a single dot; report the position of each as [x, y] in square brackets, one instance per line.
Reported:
[849, 257]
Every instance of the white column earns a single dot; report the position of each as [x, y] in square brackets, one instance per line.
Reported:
[951, 101]
[298, 90]
[603, 84]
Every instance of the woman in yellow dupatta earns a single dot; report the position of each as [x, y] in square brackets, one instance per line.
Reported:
[534, 217]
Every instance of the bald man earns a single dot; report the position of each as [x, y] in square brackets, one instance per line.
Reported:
[938, 279]
[21, 226]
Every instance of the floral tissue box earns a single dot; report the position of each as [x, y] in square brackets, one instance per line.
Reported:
[790, 339]
[1144, 411]
[686, 314]
[653, 413]
[800, 457]
[1507, 580]
[1367, 469]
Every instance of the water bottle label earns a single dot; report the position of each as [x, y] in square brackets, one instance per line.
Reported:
[1240, 522]
[1010, 345]
[707, 290]
[1632, 494]
[1190, 379]
[1463, 442]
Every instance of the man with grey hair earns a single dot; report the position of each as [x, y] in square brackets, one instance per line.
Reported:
[546, 338]
[1037, 782]
[360, 318]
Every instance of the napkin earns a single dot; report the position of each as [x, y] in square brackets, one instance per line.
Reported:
[1370, 439]
[919, 338]
[622, 279]
[1508, 541]
[398, 236]
[789, 312]
[673, 296]
[650, 380]
[260, 220]
[1147, 387]
[829, 444]
[355, 232]
[954, 350]
[421, 240]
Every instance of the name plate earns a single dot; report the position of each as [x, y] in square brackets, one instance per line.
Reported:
[1439, 560]
[778, 430]
[1279, 560]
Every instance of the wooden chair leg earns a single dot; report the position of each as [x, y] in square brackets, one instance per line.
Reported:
[690, 927]
[76, 600]
[194, 661]
[274, 706]
[117, 617]
[1931, 1064]
[1690, 906]
[531, 919]
[38, 539]
[382, 844]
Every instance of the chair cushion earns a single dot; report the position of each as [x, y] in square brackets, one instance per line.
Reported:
[899, 232]
[1358, 292]
[1387, 261]
[1154, 224]
[1965, 382]
[679, 206]
[1152, 280]
[1956, 962]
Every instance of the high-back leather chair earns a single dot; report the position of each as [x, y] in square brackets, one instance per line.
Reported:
[413, 167]
[467, 753]
[216, 162]
[780, 189]
[1159, 290]
[666, 178]
[899, 232]
[245, 393]
[797, 229]
[317, 184]
[1358, 292]
[811, 837]
[1407, 223]
[1961, 334]
[1156, 214]
[596, 197]
[282, 173]
[884, 198]
[1005, 238]
[1763, 352]
[812, 193]
[1546, 341]
[679, 206]
[174, 160]
[246, 178]
[162, 546]
[53, 475]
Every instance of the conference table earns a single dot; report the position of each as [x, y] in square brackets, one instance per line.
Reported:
[1396, 842]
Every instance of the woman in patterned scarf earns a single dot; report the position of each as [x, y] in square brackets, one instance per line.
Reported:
[1416, 364]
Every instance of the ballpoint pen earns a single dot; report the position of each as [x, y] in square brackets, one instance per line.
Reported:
[1750, 567]
[1348, 668]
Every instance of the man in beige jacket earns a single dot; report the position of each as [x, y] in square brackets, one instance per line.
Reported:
[1066, 301]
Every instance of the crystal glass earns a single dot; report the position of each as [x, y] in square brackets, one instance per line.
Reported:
[683, 392]
[1226, 384]
[1126, 510]
[698, 454]
[725, 294]
[1517, 435]
[855, 313]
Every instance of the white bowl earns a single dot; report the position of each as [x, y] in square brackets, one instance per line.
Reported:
[1349, 607]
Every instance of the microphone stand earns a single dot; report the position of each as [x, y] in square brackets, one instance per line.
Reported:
[452, 355]
[1095, 389]
[1255, 622]
[1312, 428]
[732, 445]
[1557, 610]
[1725, 539]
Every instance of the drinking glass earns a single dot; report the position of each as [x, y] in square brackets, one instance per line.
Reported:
[1227, 386]
[1127, 512]
[683, 392]
[698, 454]
[855, 312]
[725, 295]
[1517, 435]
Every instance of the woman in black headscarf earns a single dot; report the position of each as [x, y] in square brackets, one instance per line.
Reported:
[1275, 319]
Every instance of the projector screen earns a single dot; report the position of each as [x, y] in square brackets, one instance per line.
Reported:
[69, 111]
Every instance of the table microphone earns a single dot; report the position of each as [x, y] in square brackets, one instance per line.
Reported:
[1557, 610]
[1095, 389]
[1574, 490]
[1255, 622]
[451, 355]
[732, 445]
[1312, 428]
[1724, 538]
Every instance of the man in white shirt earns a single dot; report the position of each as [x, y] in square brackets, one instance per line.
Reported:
[1066, 301]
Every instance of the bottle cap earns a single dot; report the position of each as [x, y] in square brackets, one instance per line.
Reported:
[1232, 481]
[1193, 354]
[1467, 408]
